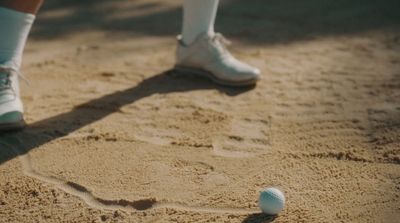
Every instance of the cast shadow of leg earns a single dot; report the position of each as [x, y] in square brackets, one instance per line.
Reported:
[44, 131]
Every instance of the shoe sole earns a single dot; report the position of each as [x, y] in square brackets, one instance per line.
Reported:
[212, 77]
[15, 126]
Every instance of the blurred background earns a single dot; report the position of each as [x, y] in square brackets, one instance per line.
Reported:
[253, 21]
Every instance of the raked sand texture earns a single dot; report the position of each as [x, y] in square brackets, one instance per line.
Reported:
[115, 136]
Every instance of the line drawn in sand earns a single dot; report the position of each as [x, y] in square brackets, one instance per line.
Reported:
[121, 204]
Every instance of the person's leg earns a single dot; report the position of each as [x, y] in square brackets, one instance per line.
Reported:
[201, 51]
[16, 19]
[198, 18]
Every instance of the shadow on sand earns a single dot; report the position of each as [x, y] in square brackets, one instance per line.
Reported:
[259, 218]
[47, 130]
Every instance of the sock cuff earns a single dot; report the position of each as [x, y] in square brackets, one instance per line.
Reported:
[10, 13]
[14, 29]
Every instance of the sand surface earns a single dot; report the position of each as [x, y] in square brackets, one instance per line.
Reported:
[115, 136]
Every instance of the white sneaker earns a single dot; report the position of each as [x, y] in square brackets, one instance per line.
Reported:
[207, 56]
[11, 109]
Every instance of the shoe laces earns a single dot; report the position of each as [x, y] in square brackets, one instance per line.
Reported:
[5, 77]
[221, 38]
[221, 43]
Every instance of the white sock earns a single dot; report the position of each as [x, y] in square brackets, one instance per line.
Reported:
[198, 18]
[14, 30]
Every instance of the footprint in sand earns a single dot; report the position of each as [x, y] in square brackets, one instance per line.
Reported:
[245, 138]
[158, 135]
[187, 125]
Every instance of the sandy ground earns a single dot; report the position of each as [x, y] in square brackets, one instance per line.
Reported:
[115, 136]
